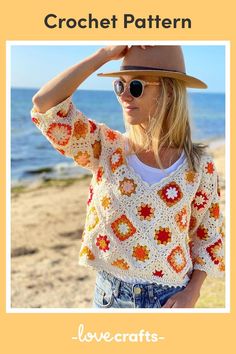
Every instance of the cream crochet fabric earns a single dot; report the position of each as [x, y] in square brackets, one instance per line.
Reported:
[156, 233]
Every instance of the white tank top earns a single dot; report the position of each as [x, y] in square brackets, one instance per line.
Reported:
[150, 174]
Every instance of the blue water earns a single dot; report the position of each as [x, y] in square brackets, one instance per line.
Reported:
[31, 153]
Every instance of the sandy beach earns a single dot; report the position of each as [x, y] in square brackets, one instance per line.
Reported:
[47, 221]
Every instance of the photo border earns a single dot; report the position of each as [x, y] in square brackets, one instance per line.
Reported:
[9, 44]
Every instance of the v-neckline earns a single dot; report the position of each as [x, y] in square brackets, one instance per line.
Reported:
[152, 186]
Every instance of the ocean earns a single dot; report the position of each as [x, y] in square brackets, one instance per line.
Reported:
[33, 157]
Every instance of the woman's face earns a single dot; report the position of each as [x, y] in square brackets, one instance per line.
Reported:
[138, 110]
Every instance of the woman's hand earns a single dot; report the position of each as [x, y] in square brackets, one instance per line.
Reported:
[186, 298]
[115, 52]
[119, 51]
[146, 46]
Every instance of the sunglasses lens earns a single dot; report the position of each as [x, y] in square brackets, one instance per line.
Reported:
[136, 88]
[118, 87]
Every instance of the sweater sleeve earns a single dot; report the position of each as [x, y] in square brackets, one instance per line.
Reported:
[207, 224]
[73, 134]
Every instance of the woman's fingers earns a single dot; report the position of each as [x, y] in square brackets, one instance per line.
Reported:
[169, 303]
[116, 52]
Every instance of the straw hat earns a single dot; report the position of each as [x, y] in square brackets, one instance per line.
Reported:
[159, 60]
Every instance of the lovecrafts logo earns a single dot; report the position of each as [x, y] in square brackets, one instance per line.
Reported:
[137, 337]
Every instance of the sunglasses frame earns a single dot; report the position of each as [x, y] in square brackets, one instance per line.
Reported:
[143, 82]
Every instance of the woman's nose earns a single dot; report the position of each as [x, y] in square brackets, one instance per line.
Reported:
[126, 96]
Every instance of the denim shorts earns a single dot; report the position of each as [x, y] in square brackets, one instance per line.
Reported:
[111, 292]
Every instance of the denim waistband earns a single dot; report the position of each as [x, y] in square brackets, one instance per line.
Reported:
[117, 283]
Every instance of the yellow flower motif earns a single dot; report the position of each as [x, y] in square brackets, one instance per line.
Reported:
[87, 252]
[106, 202]
[190, 176]
[92, 219]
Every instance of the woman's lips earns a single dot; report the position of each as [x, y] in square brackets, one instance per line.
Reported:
[130, 108]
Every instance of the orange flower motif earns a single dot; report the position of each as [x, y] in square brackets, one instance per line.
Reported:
[111, 135]
[141, 253]
[181, 219]
[99, 175]
[127, 186]
[202, 233]
[145, 211]
[200, 200]
[177, 259]
[123, 228]
[163, 235]
[190, 176]
[87, 252]
[82, 158]
[215, 252]
[210, 168]
[171, 193]
[106, 202]
[215, 211]
[116, 159]
[103, 243]
[120, 263]
[59, 133]
[97, 148]
[80, 129]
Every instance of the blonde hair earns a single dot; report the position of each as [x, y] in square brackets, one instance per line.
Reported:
[169, 126]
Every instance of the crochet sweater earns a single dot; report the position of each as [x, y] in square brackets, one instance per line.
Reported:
[158, 233]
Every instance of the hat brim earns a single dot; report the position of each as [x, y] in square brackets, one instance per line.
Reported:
[190, 81]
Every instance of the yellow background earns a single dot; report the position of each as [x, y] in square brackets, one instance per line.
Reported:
[51, 333]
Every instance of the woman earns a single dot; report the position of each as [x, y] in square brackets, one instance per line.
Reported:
[153, 229]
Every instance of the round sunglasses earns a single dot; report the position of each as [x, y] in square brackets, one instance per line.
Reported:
[136, 87]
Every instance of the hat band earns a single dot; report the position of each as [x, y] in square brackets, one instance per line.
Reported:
[131, 67]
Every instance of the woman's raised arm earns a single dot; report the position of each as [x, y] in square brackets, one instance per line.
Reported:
[64, 84]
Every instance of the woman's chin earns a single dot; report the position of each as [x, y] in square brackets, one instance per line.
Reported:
[131, 119]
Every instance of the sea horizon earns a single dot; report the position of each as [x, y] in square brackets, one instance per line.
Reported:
[32, 156]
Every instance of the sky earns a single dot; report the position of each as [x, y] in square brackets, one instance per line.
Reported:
[33, 65]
